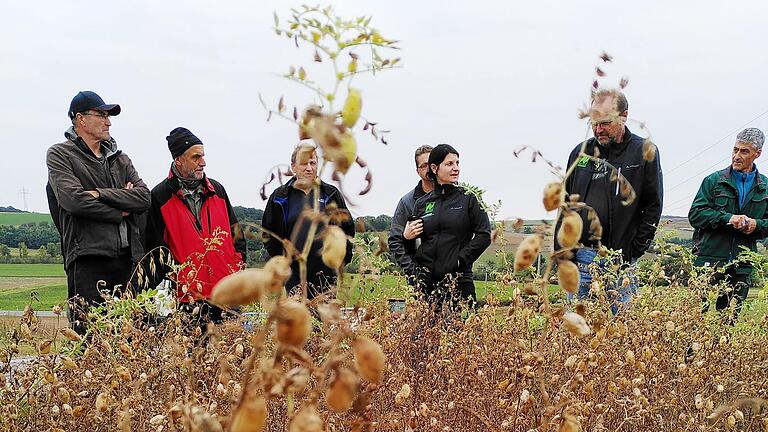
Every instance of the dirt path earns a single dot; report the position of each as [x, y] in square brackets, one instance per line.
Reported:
[7, 283]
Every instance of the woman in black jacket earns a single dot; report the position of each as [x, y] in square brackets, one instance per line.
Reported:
[454, 231]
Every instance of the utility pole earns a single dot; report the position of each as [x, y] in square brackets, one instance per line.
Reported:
[24, 192]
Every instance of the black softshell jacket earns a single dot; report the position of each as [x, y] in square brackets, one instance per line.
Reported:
[456, 231]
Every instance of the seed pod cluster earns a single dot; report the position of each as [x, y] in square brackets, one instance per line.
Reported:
[527, 251]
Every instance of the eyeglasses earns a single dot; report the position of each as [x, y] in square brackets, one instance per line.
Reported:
[102, 115]
[423, 166]
[604, 124]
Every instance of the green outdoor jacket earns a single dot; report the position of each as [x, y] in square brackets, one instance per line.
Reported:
[716, 242]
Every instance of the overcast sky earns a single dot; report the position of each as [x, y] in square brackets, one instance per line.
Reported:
[485, 77]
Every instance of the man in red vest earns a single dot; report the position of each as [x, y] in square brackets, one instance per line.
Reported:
[192, 217]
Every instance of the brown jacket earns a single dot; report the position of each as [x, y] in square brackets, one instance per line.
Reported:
[91, 226]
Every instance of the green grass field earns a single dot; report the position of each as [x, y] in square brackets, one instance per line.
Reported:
[42, 297]
[9, 218]
[32, 270]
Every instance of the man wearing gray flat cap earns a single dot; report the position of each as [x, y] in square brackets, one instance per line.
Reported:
[730, 211]
[95, 196]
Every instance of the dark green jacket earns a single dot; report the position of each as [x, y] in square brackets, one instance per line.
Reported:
[716, 242]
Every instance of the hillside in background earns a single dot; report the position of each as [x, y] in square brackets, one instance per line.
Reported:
[16, 218]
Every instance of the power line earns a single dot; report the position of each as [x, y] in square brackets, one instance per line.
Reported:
[701, 152]
[698, 174]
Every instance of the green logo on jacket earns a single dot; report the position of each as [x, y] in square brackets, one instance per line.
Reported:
[583, 162]
[430, 208]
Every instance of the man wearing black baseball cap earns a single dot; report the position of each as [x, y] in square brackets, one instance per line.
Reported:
[189, 213]
[96, 196]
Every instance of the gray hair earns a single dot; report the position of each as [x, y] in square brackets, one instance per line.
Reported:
[752, 136]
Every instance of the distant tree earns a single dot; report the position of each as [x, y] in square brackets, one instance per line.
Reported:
[23, 249]
[42, 252]
[5, 251]
[54, 249]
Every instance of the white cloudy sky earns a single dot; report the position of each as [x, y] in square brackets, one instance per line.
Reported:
[484, 76]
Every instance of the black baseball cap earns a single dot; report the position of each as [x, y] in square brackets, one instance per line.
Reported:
[88, 100]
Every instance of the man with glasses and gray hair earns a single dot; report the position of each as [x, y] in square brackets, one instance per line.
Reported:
[730, 211]
[96, 195]
[402, 228]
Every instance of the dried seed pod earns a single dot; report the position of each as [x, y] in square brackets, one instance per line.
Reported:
[554, 196]
[569, 424]
[294, 323]
[240, 288]
[306, 420]
[44, 347]
[280, 268]
[571, 226]
[527, 251]
[352, 108]
[71, 334]
[342, 390]
[334, 247]
[102, 403]
[68, 363]
[403, 394]
[568, 276]
[157, 420]
[250, 416]
[123, 373]
[649, 150]
[369, 359]
[576, 324]
[63, 395]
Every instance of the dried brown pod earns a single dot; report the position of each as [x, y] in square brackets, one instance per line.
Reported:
[599, 72]
[71, 334]
[44, 347]
[604, 56]
[518, 224]
[649, 150]
[624, 81]
[568, 276]
[250, 416]
[576, 324]
[306, 420]
[570, 230]
[369, 359]
[280, 269]
[241, 288]
[403, 394]
[294, 323]
[334, 247]
[527, 251]
[554, 196]
[342, 390]
[102, 402]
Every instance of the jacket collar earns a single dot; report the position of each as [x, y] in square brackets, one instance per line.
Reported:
[109, 147]
[176, 184]
[726, 175]
[444, 189]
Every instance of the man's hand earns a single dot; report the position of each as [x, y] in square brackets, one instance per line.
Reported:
[413, 229]
[129, 185]
[738, 221]
[750, 226]
[94, 193]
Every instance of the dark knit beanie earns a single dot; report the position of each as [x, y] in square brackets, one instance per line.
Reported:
[180, 140]
[437, 156]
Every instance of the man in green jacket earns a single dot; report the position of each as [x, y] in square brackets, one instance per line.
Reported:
[97, 199]
[730, 211]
